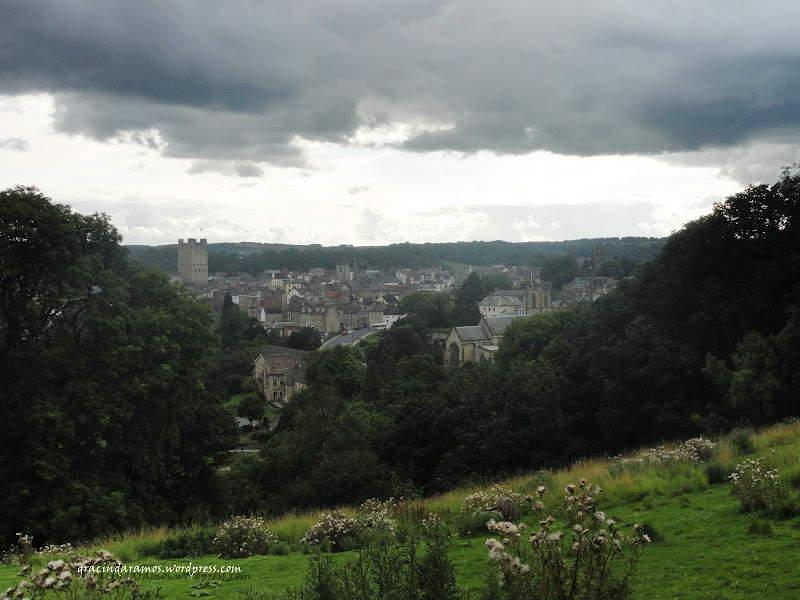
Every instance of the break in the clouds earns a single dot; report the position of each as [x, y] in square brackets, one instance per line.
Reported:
[241, 81]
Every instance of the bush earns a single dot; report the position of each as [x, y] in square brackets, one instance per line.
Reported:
[741, 441]
[344, 533]
[470, 524]
[486, 503]
[580, 564]
[754, 484]
[190, 543]
[716, 473]
[85, 579]
[244, 536]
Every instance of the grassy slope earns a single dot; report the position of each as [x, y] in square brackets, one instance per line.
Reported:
[706, 550]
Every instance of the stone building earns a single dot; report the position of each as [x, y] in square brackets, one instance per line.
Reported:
[536, 298]
[193, 260]
[279, 372]
[325, 319]
[476, 343]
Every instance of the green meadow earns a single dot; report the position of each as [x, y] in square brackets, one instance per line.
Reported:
[703, 544]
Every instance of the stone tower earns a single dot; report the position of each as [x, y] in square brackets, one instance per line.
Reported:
[193, 260]
[598, 258]
[343, 271]
[539, 298]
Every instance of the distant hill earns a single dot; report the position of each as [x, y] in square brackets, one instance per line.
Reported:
[253, 257]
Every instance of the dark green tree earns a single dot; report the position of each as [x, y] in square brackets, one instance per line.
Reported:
[105, 420]
[251, 408]
[307, 338]
[559, 270]
[434, 308]
[466, 300]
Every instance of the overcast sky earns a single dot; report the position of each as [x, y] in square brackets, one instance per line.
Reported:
[381, 121]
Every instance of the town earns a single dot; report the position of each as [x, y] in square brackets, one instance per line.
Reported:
[346, 304]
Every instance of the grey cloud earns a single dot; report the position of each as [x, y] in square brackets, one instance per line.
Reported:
[235, 168]
[240, 82]
[17, 144]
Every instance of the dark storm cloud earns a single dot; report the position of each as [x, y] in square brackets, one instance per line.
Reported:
[242, 80]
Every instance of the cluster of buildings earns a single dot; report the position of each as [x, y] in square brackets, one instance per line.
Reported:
[349, 298]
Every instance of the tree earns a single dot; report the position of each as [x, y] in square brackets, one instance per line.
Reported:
[104, 420]
[559, 270]
[251, 408]
[466, 300]
[434, 308]
[307, 338]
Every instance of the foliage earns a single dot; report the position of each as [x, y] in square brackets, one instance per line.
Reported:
[344, 533]
[466, 299]
[241, 536]
[754, 484]
[594, 560]
[334, 527]
[385, 567]
[254, 258]
[435, 309]
[251, 407]
[486, 502]
[559, 270]
[104, 420]
[84, 579]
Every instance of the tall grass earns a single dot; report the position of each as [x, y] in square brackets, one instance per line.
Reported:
[622, 479]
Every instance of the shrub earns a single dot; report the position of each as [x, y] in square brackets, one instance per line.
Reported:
[485, 503]
[693, 450]
[553, 564]
[189, 543]
[85, 579]
[343, 533]
[742, 441]
[243, 536]
[334, 528]
[716, 473]
[754, 484]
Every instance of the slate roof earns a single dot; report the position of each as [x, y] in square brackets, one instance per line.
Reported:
[471, 333]
[497, 325]
[518, 293]
[281, 350]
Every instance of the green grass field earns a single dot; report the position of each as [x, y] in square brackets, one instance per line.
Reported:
[704, 546]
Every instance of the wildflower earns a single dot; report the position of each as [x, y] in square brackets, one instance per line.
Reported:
[600, 516]
[646, 539]
[48, 582]
[540, 491]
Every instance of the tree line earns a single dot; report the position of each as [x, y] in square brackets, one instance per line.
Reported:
[255, 258]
